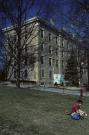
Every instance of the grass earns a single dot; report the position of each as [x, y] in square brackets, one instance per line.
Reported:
[27, 112]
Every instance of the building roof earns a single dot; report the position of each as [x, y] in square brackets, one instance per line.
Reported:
[36, 19]
[44, 23]
[53, 28]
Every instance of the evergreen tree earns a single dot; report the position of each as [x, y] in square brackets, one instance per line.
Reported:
[71, 71]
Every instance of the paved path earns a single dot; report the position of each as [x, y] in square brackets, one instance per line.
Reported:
[60, 90]
[70, 90]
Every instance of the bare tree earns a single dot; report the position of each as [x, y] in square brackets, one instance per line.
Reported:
[75, 20]
[80, 19]
[2, 49]
[19, 37]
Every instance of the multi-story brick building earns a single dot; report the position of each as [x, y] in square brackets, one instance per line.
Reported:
[51, 49]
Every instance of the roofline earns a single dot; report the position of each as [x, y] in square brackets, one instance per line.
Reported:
[63, 33]
[32, 20]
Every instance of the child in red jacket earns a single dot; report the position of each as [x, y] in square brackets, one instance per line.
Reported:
[76, 112]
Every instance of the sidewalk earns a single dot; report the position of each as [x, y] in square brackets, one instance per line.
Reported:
[60, 90]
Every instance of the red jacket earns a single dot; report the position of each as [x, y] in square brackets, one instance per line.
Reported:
[75, 107]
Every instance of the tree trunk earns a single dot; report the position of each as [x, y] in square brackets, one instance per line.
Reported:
[18, 73]
[88, 72]
[18, 59]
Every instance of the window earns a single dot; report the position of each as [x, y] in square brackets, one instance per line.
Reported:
[50, 74]
[42, 59]
[67, 46]
[62, 63]
[42, 47]
[53, 61]
[14, 38]
[56, 51]
[26, 61]
[26, 34]
[56, 40]
[62, 43]
[25, 48]
[50, 49]
[42, 33]
[50, 62]
[14, 73]
[11, 38]
[62, 53]
[14, 63]
[42, 72]
[57, 63]
[49, 36]
[25, 73]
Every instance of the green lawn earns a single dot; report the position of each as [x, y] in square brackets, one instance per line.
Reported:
[26, 112]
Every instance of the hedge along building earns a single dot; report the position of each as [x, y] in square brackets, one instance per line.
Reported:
[45, 53]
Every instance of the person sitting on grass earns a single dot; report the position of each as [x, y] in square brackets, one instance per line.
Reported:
[76, 112]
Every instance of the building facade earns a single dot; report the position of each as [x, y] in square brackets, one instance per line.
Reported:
[45, 53]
